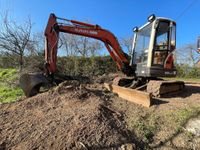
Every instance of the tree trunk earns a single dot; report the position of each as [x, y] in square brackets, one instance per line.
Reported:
[20, 62]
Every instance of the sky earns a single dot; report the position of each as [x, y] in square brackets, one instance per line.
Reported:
[118, 16]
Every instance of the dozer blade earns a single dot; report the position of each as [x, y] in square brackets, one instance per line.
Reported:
[159, 87]
[31, 83]
[132, 95]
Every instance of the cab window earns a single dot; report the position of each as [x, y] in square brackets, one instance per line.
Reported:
[142, 44]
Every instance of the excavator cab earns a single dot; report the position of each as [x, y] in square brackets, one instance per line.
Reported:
[153, 46]
[198, 45]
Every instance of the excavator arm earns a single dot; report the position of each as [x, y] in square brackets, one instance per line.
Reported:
[31, 83]
[54, 27]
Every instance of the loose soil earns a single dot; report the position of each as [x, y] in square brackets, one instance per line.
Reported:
[78, 115]
[71, 116]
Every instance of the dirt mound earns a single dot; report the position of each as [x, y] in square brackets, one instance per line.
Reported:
[71, 116]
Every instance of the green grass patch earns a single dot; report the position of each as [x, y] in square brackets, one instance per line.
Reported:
[10, 94]
[147, 125]
[9, 90]
[180, 117]
[145, 130]
[8, 74]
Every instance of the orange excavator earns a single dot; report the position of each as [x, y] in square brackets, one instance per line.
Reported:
[151, 57]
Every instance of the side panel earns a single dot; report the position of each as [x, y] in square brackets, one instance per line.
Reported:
[143, 71]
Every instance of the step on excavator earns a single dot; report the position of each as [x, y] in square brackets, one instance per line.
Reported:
[150, 60]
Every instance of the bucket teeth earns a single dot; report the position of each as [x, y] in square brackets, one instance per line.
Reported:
[31, 83]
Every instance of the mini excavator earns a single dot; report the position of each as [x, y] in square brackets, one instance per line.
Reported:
[151, 58]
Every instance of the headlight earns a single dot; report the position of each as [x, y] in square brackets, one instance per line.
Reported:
[135, 29]
[151, 18]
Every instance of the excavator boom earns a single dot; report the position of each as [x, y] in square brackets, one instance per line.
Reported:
[83, 29]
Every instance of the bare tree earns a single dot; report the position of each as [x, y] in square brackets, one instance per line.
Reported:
[187, 54]
[126, 43]
[79, 45]
[67, 41]
[15, 38]
[36, 44]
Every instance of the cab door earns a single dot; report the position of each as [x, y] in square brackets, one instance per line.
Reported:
[164, 44]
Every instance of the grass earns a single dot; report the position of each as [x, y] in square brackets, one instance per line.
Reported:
[9, 90]
[146, 126]
[9, 94]
[150, 123]
[180, 117]
[145, 130]
[8, 74]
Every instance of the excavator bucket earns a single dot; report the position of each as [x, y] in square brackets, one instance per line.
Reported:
[31, 83]
[159, 88]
